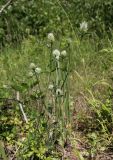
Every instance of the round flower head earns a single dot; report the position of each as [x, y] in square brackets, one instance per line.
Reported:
[32, 66]
[64, 53]
[51, 37]
[84, 26]
[59, 92]
[50, 87]
[38, 70]
[56, 54]
[57, 57]
[30, 74]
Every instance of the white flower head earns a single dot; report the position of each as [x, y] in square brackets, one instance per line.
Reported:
[56, 54]
[71, 103]
[30, 74]
[32, 66]
[59, 92]
[50, 87]
[51, 37]
[57, 57]
[38, 70]
[64, 53]
[84, 26]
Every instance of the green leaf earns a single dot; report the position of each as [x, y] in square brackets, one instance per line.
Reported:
[2, 151]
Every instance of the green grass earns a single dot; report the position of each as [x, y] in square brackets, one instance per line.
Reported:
[90, 84]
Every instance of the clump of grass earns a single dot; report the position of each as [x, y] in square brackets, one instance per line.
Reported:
[46, 89]
[46, 92]
[56, 93]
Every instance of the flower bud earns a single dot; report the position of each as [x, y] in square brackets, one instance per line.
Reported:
[38, 70]
[84, 26]
[51, 37]
[64, 53]
[56, 53]
[50, 87]
[59, 92]
[32, 66]
[30, 74]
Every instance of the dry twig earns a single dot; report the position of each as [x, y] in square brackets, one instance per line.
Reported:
[5, 6]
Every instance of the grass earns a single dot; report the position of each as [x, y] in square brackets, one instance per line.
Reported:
[90, 88]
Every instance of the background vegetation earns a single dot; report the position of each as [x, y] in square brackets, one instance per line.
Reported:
[56, 76]
[37, 17]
